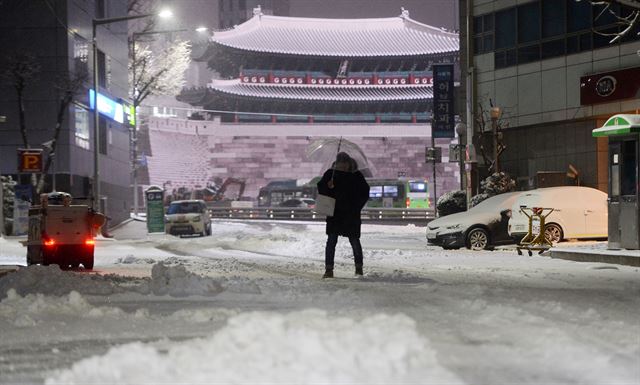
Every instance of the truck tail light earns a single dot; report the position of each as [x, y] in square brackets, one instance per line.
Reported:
[49, 242]
[90, 242]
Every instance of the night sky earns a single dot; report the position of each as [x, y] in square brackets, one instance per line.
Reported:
[438, 13]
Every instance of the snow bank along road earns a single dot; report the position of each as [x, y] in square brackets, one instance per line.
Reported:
[247, 305]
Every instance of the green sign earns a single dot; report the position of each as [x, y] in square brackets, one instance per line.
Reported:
[155, 209]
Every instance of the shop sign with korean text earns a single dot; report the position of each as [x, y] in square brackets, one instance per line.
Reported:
[443, 122]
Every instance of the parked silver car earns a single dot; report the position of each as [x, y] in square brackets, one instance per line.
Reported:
[481, 227]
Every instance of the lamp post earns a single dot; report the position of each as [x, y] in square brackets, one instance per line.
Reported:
[461, 130]
[495, 113]
[96, 117]
[136, 103]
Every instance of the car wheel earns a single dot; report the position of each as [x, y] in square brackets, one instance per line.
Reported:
[553, 232]
[478, 239]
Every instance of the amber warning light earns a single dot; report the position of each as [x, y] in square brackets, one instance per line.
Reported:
[90, 242]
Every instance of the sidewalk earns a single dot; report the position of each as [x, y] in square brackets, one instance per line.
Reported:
[595, 252]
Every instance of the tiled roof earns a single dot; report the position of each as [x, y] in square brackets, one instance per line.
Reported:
[393, 36]
[324, 93]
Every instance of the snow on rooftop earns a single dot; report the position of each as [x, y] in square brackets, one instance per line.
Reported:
[393, 36]
[325, 93]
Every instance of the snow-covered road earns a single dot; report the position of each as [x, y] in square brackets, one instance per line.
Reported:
[247, 305]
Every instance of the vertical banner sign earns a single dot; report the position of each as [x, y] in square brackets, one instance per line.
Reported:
[443, 119]
[21, 206]
[155, 209]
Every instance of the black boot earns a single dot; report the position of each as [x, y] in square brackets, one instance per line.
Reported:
[328, 273]
[359, 270]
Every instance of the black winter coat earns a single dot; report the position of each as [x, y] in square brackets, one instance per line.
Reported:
[351, 192]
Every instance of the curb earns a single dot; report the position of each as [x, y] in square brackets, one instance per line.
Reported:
[610, 256]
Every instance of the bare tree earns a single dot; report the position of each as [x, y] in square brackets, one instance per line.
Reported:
[626, 16]
[492, 149]
[21, 71]
[68, 86]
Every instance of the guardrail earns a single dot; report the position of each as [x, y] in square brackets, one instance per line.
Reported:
[420, 216]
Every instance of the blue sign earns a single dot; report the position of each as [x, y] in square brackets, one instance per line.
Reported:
[107, 107]
[21, 206]
[443, 123]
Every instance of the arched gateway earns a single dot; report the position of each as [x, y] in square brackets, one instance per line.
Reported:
[287, 80]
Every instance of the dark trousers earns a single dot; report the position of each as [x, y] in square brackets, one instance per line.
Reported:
[330, 250]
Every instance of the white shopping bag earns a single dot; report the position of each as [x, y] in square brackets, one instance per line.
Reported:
[325, 205]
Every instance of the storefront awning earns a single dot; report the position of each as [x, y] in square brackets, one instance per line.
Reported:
[619, 125]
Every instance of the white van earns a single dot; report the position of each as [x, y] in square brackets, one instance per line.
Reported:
[579, 213]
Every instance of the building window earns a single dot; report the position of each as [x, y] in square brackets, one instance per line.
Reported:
[81, 127]
[102, 131]
[553, 18]
[80, 54]
[529, 53]
[505, 28]
[483, 30]
[603, 16]
[529, 22]
[545, 29]
[102, 69]
[578, 15]
[553, 48]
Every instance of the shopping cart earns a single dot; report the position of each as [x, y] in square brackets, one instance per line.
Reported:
[535, 240]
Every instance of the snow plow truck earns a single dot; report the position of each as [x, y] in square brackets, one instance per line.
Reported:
[61, 233]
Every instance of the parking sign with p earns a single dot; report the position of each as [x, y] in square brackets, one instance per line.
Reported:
[30, 160]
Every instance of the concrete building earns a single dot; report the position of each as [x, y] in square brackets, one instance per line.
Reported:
[58, 34]
[552, 70]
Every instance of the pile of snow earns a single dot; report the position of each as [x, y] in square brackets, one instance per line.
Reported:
[175, 281]
[51, 280]
[306, 347]
[34, 309]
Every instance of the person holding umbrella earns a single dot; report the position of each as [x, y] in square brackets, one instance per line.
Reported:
[351, 192]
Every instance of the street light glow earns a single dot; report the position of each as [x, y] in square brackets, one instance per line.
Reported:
[201, 29]
[165, 13]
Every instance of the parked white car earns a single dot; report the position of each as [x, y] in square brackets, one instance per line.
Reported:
[482, 227]
[579, 213]
[188, 217]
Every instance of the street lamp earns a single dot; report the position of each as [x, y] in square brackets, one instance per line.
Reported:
[136, 102]
[461, 130]
[96, 117]
[495, 114]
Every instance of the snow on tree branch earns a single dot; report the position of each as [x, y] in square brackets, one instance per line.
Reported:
[158, 73]
[627, 16]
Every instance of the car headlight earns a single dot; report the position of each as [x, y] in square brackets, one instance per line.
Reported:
[196, 219]
[453, 227]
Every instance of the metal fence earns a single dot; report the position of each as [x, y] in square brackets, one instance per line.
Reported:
[386, 215]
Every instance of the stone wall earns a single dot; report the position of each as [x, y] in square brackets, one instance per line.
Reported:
[262, 153]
